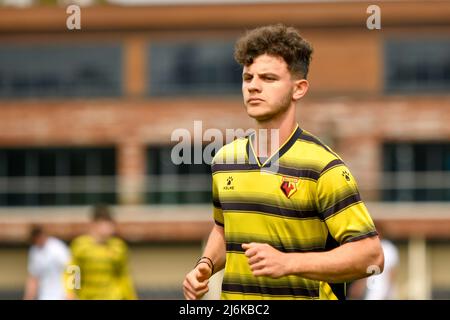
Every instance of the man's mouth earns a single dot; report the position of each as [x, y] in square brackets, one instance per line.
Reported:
[250, 100]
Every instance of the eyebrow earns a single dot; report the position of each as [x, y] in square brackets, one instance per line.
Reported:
[263, 74]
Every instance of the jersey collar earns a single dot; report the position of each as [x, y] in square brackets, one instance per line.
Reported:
[253, 159]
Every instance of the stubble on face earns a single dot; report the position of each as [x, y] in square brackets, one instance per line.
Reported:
[277, 108]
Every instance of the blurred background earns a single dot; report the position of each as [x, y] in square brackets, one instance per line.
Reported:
[86, 116]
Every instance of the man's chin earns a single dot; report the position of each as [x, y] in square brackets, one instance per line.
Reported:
[258, 116]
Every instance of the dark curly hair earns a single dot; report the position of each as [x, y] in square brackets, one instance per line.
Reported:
[275, 40]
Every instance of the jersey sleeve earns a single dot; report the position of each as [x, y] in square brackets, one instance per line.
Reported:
[339, 204]
[217, 207]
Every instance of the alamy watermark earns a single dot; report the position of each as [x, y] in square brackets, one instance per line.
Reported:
[73, 280]
[73, 21]
[183, 153]
[372, 271]
[374, 20]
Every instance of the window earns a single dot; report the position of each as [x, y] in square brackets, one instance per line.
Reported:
[416, 172]
[417, 65]
[169, 183]
[57, 176]
[60, 70]
[193, 68]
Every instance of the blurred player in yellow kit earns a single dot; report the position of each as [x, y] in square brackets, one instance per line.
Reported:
[103, 261]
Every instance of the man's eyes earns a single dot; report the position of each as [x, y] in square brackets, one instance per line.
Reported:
[266, 78]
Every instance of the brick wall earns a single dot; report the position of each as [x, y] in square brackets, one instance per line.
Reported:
[355, 128]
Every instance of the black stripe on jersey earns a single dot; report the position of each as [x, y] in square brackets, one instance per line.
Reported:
[237, 247]
[218, 223]
[273, 291]
[271, 210]
[331, 242]
[298, 173]
[233, 167]
[350, 200]
[286, 171]
[307, 137]
[234, 247]
[288, 144]
[332, 164]
[216, 203]
[363, 236]
[339, 290]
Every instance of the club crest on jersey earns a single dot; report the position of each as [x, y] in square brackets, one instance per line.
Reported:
[289, 186]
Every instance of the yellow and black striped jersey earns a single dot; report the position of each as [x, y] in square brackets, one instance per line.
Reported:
[302, 199]
[104, 269]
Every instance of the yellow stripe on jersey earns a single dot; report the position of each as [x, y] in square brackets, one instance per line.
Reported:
[302, 199]
[326, 292]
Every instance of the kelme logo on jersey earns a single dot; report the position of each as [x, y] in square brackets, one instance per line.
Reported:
[289, 186]
[229, 185]
[346, 175]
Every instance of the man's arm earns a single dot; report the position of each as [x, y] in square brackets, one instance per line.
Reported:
[31, 287]
[350, 261]
[195, 284]
[215, 248]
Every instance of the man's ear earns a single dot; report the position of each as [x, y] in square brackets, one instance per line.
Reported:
[300, 89]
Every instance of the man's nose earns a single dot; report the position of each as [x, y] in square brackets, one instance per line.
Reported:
[254, 85]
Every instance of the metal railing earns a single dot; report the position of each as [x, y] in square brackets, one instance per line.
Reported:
[196, 183]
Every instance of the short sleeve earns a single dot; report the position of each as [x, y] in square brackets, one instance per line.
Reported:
[340, 206]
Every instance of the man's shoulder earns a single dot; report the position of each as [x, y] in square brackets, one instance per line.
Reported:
[309, 150]
[56, 243]
[117, 241]
[237, 147]
[82, 240]
[118, 245]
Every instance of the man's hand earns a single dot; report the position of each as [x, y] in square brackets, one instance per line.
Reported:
[265, 260]
[195, 285]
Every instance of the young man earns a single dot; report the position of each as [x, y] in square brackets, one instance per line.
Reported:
[103, 261]
[291, 225]
[47, 260]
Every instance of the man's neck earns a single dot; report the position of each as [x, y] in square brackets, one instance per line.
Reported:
[278, 128]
